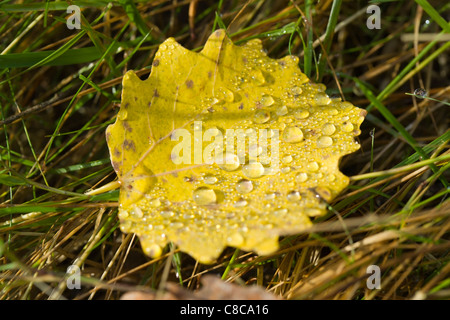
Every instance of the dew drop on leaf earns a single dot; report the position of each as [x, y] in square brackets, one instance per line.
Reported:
[261, 116]
[204, 196]
[228, 162]
[328, 129]
[301, 177]
[324, 141]
[253, 170]
[347, 126]
[293, 135]
[244, 186]
[267, 101]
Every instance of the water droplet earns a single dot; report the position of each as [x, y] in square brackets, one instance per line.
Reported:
[176, 225]
[214, 131]
[346, 105]
[324, 193]
[313, 212]
[271, 195]
[261, 116]
[296, 90]
[254, 149]
[197, 126]
[324, 141]
[244, 186]
[301, 113]
[123, 214]
[167, 213]
[210, 179]
[281, 211]
[285, 169]
[250, 132]
[294, 196]
[137, 212]
[347, 127]
[204, 196]
[331, 177]
[228, 161]
[267, 101]
[154, 203]
[328, 129]
[321, 87]
[253, 170]
[287, 159]
[123, 114]
[125, 226]
[333, 111]
[258, 77]
[228, 95]
[240, 203]
[153, 250]
[282, 111]
[312, 166]
[301, 177]
[268, 171]
[421, 93]
[235, 239]
[271, 133]
[321, 99]
[224, 94]
[292, 135]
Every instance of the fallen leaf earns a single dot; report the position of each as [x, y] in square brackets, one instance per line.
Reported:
[171, 149]
[213, 288]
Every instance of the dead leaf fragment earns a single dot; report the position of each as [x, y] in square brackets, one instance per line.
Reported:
[213, 288]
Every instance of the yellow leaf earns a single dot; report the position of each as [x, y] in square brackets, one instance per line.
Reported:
[226, 147]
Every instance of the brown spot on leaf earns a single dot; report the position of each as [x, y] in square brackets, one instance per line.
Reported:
[126, 126]
[241, 106]
[156, 93]
[117, 152]
[209, 74]
[116, 165]
[189, 84]
[129, 144]
[155, 62]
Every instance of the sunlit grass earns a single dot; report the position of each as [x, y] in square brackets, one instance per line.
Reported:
[60, 88]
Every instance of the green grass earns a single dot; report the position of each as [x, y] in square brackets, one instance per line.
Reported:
[60, 89]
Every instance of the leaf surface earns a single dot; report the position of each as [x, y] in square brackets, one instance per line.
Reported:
[226, 147]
